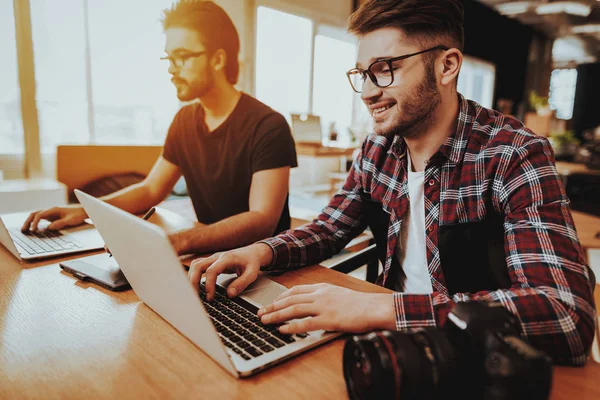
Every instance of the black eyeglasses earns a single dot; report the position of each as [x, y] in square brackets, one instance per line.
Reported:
[180, 59]
[381, 71]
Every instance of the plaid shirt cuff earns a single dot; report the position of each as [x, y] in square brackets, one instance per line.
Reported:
[420, 310]
[281, 254]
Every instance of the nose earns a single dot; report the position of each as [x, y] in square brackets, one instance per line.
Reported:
[172, 68]
[370, 91]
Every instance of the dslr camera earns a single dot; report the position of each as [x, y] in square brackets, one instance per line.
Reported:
[478, 354]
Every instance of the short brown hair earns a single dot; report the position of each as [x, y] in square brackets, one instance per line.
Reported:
[425, 22]
[216, 29]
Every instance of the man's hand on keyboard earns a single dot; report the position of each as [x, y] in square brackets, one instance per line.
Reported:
[331, 308]
[60, 217]
[245, 262]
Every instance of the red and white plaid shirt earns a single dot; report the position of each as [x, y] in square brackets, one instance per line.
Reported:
[491, 164]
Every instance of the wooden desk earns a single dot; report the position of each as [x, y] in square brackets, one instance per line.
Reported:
[62, 338]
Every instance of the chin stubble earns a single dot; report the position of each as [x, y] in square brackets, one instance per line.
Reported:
[420, 107]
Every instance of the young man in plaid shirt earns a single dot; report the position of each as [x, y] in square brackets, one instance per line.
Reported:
[465, 203]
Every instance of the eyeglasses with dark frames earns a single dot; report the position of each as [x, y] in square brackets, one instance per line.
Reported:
[180, 59]
[381, 72]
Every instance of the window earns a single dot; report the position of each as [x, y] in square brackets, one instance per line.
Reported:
[98, 76]
[283, 56]
[476, 81]
[562, 92]
[59, 56]
[286, 80]
[11, 128]
[332, 96]
[133, 98]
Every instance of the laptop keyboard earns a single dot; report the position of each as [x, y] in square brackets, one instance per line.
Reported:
[240, 328]
[42, 242]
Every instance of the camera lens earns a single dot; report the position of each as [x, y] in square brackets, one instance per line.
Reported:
[392, 365]
[477, 354]
[370, 367]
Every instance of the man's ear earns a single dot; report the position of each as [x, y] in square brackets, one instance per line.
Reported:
[449, 65]
[218, 60]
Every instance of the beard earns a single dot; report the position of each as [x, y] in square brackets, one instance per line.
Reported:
[188, 91]
[416, 112]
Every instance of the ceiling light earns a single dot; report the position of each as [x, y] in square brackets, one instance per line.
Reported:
[589, 28]
[570, 48]
[567, 7]
[514, 8]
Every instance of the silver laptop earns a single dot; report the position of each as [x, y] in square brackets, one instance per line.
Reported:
[227, 330]
[306, 128]
[45, 243]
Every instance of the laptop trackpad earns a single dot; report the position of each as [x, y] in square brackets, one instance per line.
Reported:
[261, 292]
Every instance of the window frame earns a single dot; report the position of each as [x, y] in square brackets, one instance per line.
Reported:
[37, 164]
[322, 25]
[30, 161]
[33, 162]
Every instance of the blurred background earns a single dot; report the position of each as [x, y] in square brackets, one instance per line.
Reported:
[88, 72]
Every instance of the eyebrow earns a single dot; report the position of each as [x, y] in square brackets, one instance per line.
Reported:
[181, 50]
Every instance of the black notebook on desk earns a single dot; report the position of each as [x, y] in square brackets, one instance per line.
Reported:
[100, 269]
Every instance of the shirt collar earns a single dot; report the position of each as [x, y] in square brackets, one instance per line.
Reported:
[455, 145]
[398, 147]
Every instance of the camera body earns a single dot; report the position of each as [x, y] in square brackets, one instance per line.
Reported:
[478, 354]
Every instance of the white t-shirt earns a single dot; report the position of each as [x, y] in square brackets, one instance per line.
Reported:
[411, 252]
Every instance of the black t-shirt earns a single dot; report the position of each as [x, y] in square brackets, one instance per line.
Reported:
[218, 166]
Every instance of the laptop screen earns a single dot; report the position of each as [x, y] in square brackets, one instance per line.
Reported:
[306, 128]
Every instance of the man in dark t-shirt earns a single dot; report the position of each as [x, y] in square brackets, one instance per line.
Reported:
[218, 166]
[234, 152]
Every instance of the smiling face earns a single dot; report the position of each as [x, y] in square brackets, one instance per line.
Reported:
[406, 106]
[195, 77]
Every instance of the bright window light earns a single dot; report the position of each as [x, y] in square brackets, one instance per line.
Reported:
[566, 7]
[562, 92]
[332, 95]
[589, 28]
[283, 57]
[476, 81]
[11, 127]
[514, 8]
[134, 99]
[59, 54]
